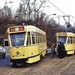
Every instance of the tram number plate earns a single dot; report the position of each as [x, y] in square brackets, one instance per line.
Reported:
[18, 55]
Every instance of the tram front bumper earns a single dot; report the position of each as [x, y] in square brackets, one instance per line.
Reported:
[19, 60]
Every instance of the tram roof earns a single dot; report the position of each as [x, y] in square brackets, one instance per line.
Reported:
[29, 28]
[34, 28]
[65, 33]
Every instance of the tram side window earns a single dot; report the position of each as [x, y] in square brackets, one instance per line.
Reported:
[73, 39]
[69, 39]
[28, 39]
[40, 38]
[33, 40]
[33, 37]
[37, 38]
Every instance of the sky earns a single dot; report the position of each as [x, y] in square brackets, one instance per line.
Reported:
[66, 6]
[13, 5]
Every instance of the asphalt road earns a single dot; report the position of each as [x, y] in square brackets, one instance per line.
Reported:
[4, 61]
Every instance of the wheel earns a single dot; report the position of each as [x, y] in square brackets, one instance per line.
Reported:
[19, 64]
[14, 64]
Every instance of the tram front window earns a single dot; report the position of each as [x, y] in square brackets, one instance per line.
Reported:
[17, 39]
[62, 39]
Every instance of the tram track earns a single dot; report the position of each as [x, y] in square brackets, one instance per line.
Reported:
[47, 66]
[64, 68]
[36, 70]
[53, 69]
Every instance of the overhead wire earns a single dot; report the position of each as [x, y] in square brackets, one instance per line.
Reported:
[59, 9]
[56, 7]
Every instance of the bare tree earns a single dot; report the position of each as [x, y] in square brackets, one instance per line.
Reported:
[31, 8]
[25, 9]
[5, 18]
[19, 13]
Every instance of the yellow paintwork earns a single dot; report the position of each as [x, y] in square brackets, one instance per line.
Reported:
[70, 48]
[14, 55]
[33, 51]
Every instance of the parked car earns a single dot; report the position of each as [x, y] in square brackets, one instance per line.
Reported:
[2, 52]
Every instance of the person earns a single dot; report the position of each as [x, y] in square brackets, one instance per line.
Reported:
[60, 49]
[64, 50]
[53, 50]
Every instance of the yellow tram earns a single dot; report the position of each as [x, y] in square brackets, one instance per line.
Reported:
[68, 38]
[27, 44]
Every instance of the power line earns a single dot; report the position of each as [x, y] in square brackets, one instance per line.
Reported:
[56, 7]
[59, 9]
